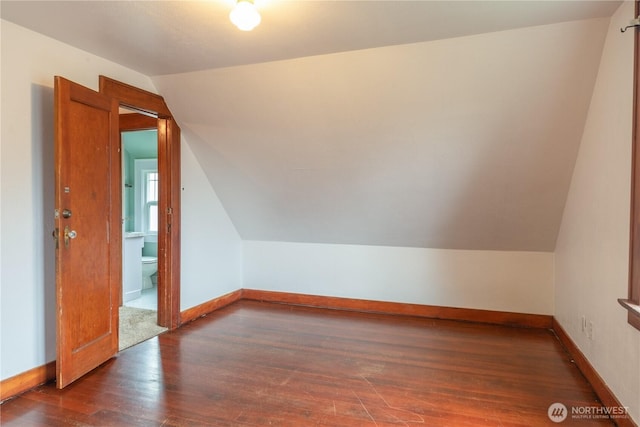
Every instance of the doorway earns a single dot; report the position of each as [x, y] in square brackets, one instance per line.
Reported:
[140, 195]
[151, 112]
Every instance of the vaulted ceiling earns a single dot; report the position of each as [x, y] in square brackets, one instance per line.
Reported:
[429, 124]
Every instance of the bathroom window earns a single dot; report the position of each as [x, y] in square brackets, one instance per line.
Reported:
[146, 194]
[151, 201]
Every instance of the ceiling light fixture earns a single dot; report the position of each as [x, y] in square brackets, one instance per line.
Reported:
[245, 16]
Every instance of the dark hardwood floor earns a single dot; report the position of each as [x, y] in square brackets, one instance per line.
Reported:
[258, 364]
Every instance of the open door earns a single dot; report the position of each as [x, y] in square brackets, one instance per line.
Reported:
[169, 223]
[88, 254]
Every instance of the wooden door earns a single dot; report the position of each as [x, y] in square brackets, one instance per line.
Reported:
[168, 221]
[88, 254]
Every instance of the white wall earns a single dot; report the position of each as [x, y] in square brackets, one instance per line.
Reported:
[593, 243]
[27, 272]
[491, 280]
[211, 250]
[400, 145]
[29, 62]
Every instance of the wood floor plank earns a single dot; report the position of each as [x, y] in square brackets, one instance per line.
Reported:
[257, 364]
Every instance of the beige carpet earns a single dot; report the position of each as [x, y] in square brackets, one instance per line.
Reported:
[137, 325]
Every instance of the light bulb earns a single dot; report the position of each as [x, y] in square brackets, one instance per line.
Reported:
[245, 16]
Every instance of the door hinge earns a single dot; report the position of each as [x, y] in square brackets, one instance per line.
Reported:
[56, 235]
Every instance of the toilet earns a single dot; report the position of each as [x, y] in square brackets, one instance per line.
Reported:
[149, 267]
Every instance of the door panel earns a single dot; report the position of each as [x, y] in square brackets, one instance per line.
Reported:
[168, 221]
[88, 255]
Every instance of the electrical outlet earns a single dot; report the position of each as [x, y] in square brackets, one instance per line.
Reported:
[584, 324]
[590, 330]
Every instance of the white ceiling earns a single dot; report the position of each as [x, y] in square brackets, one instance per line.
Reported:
[457, 126]
[165, 37]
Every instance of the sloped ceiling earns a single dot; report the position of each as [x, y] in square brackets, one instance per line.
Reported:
[460, 143]
[383, 123]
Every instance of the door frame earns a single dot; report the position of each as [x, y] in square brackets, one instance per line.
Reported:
[152, 105]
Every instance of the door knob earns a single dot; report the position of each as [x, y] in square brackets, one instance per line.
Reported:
[66, 213]
[69, 234]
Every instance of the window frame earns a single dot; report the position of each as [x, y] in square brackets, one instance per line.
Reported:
[632, 302]
[146, 213]
[142, 167]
